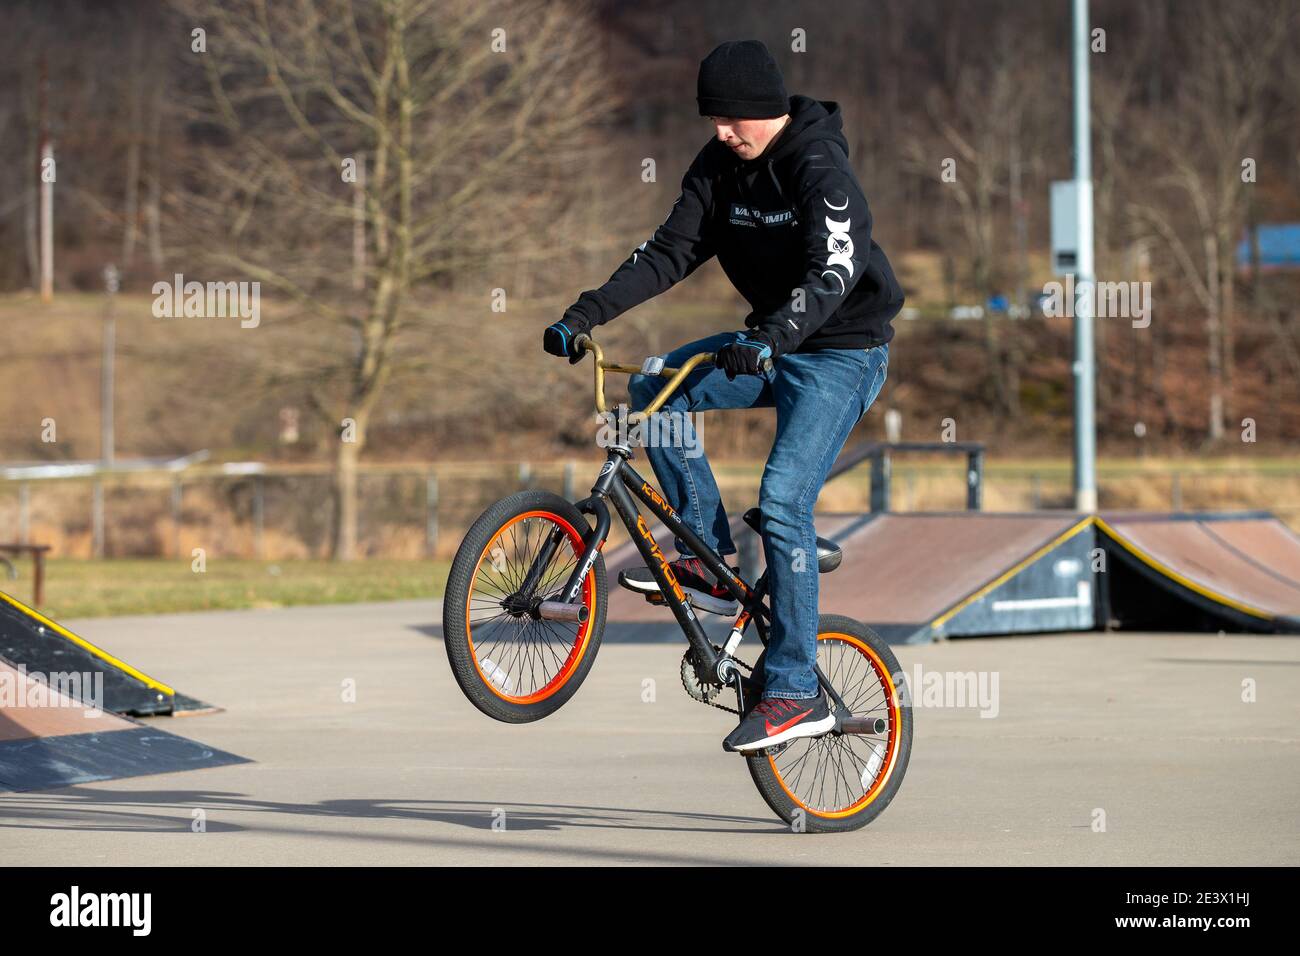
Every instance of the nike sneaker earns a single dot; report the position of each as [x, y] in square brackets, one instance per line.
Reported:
[777, 720]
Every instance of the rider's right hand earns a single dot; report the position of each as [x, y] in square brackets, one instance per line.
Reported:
[561, 338]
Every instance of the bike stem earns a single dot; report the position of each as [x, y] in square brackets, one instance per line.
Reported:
[592, 541]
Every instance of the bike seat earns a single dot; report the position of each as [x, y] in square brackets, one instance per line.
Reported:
[829, 554]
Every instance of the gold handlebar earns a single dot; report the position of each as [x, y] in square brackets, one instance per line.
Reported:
[675, 376]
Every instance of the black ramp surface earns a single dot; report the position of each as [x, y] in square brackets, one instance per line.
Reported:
[43, 646]
[55, 737]
[41, 763]
[1054, 589]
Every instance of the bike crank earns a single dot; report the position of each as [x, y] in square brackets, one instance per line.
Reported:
[707, 693]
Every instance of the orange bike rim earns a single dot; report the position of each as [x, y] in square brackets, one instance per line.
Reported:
[580, 642]
[893, 730]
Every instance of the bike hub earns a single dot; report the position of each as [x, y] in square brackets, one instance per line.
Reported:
[516, 605]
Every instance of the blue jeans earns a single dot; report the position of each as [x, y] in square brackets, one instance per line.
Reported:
[818, 397]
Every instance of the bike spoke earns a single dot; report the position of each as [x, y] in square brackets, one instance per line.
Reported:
[802, 764]
[840, 747]
[512, 570]
[501, 630]
[549, 646]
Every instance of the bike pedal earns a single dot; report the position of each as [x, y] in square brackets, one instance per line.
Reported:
[725, 609]
[657, 597]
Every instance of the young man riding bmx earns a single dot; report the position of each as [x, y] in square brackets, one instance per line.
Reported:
[774, 198]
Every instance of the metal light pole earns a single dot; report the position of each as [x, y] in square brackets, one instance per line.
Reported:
[1085, 389]
[97, 534]
[106, 443]
[45, 187]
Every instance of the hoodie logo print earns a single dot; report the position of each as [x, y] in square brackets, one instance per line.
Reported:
[839, 244]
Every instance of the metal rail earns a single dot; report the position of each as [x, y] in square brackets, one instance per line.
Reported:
[881, 456]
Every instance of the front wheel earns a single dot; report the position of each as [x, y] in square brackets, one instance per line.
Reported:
[511, 664]
[840, 782]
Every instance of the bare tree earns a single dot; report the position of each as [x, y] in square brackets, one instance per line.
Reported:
[460, 110]
[979, 120]
[1204, 146]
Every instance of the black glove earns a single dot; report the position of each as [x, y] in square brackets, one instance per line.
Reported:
[744, 356]
[560, 338]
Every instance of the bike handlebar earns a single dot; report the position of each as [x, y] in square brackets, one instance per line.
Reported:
[675, 376]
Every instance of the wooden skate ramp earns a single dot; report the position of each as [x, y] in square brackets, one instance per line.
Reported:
[1242, 571]
[914, 577]
[52, 735]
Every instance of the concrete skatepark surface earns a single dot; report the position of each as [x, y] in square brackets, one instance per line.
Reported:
[1149, 729]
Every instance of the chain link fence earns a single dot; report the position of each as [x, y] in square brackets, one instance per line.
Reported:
[422, 511]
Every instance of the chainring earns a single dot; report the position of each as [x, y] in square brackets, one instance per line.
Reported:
[705, 693]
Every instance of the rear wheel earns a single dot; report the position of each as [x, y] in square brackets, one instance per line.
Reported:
[840, 782]
[511, 664]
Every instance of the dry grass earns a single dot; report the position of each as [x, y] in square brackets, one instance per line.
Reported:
[105, 588]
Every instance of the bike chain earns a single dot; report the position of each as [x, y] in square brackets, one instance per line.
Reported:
[688, 667]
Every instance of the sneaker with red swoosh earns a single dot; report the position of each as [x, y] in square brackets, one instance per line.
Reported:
[778, 719]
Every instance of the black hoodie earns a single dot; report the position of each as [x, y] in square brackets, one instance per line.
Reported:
[792, 231]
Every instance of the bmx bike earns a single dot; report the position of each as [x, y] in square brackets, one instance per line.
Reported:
[524, 612]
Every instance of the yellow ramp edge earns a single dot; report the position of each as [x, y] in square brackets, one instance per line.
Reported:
[1007, 575]
[1185, 581]
[86, 645]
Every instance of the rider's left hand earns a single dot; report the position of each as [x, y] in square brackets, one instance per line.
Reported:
[745, 355]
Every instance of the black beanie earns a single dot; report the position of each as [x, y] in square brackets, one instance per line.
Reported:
[740, 79]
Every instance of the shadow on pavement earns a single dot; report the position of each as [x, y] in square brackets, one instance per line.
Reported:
[83, 808]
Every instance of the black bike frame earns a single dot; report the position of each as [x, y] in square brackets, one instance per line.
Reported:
[619, 482]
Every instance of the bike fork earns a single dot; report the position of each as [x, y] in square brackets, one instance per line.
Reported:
[592, 540]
